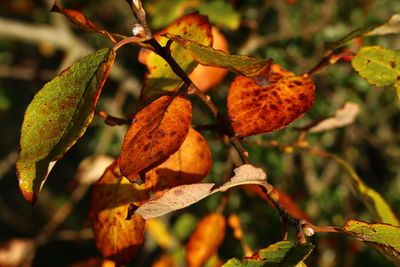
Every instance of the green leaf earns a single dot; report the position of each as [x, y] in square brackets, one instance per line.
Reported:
[161, 78]
[163, 13]
[383, 237]
[389, 27]
[378, 65]
[221, 13]
[283, 254]
[375, 203]
[242, 65]
[58, 116]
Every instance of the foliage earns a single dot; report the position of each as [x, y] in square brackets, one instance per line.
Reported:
[175, 129]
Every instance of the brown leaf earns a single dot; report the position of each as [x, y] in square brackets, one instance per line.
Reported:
[189, 165]
[117, 238]
[344, 116]
[205, 240]
[182, 196]
[80, 20]
[207, 77]
[157, 132]
[256, 109]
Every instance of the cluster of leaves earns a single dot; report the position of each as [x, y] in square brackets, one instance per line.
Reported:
[163, 159]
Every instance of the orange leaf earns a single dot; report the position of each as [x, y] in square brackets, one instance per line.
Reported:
[207, 77]
[205, 240]
[285, 200]
[256, 109]
[157, 132]
[93, 262]
[116, 237]
[190, 164]
[80, 20]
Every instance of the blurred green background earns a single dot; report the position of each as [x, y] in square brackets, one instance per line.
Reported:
[36, 44]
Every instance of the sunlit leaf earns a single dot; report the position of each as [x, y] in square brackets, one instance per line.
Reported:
[220, 13]
[182, 196]
[80, 20]
[59, 115]
[242, 65]
[156, 133]
[383, 237]
[207, 77]
[190, 164]
[160, 77]
[389, 27]
[205, 240]
[376, 204]
[117, 238]
[378, 65]
[284, 253]
[158, 231]
[342, 117]
[256, 109]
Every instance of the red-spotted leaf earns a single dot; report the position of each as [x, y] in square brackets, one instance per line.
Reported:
[80, 20]
[117, 238]
[205, 240]
[157, 132]
[190, 164]
[256, 109]
[385, 238]
[160, 77]
[242, 65]
[59, 115]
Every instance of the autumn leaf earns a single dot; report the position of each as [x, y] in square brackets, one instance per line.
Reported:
[158, 231]
[205, 240]
[156, 133]
[341, 118]
[58, 116]
[385, 238]
[80, 20]
[93, 262]
[190, 164]
[205, 55]
[283, 253]
[117, 238]
[213, 75]
[182, 196]
[161, 78]
[256, 109]
[284, 199]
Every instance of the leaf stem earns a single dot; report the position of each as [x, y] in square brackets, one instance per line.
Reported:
[223, 122]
